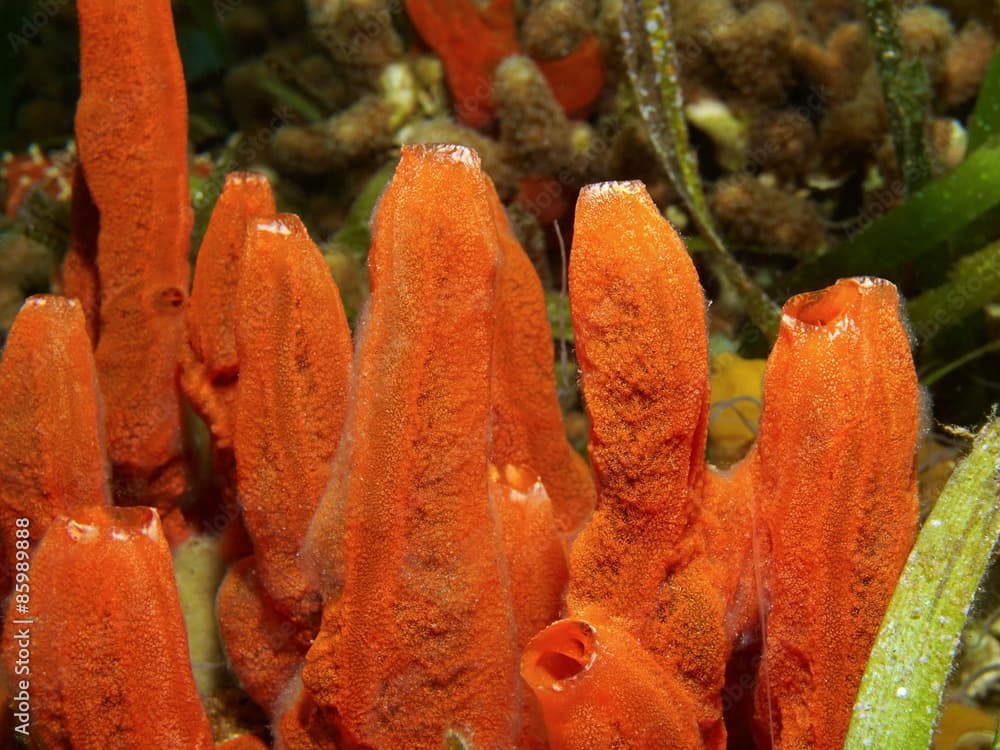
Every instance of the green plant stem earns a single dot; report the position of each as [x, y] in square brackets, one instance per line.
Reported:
[651, 58]
[291, 99]
[923, 223]
[936, 375]
[658, 25]
[972, 283]
[905, 88]
[984, 122]
[354, 235]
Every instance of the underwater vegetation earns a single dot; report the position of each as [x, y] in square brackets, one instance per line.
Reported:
[330, 496]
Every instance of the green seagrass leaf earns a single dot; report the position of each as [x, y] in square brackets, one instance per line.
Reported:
[907, 671]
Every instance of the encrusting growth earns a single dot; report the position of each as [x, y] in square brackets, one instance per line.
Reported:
[131, 129]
